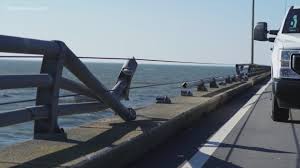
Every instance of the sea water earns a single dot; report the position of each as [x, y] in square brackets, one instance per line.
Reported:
[106, 73]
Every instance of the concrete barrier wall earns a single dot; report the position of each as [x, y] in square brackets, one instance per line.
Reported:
[112, 142]
[131, 150]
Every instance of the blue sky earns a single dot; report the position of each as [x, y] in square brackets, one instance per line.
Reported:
[185, 30]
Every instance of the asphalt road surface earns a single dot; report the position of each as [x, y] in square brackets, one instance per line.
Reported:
[240, 134]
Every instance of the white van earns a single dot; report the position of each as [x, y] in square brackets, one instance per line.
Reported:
[285, 63]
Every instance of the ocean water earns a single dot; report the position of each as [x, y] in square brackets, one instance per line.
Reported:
[107, 73]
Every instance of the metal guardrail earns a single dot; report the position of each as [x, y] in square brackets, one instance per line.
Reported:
[212, 82]
[251, 69]
[243, 71]
[57, 55]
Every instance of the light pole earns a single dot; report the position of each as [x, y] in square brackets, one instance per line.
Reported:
[252, 33]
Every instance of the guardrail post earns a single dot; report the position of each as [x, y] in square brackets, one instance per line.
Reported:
[234, 78]
[238, 69]
[251, 70]
[48, 128]
[202, 87]
[213, 83]
[228, 80]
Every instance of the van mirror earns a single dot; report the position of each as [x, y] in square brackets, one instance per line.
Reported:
[274, 32]
[261, 31]
[271, 39]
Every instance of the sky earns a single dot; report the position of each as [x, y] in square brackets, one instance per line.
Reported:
[216, 31]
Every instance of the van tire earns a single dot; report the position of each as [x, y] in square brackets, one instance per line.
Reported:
[279, 114]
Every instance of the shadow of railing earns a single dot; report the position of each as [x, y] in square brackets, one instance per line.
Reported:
[102, 141]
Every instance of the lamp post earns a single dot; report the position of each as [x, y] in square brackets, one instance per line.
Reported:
[252, 33]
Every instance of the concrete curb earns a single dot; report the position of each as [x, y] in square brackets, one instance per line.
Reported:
[131, 150]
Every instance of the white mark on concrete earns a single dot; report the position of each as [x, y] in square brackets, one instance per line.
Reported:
[212, 144]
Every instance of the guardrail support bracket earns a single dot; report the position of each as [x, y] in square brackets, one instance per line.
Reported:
[228, 80]
[186, 92]
[202, 87]
[163, 100]
[213, 84]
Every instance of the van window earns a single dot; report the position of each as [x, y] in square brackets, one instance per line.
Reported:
[292, 22]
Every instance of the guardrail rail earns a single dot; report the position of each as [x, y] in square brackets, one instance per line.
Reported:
[56, 56]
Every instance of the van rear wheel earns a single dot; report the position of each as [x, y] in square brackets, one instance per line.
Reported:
[279, 114]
